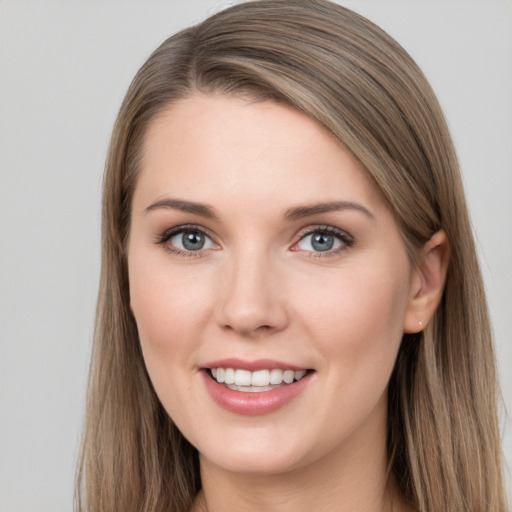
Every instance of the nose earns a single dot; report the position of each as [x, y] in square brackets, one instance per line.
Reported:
[252, 298]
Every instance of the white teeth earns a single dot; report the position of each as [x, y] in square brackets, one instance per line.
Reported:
[276, 376]
[288, 376]
[229, 377]
[250, 389]
[300, 374]
[260, 380]
[242, 377]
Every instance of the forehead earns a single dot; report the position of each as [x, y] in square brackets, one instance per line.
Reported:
[216, 147]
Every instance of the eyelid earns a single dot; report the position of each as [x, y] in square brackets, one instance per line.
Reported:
[346, 238]
[176, 230]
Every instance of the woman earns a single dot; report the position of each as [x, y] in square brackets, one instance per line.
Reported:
[291, 314]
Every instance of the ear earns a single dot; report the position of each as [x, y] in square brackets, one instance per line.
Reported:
[427, 283]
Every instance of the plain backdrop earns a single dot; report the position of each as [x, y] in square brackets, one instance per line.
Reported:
[64, 68]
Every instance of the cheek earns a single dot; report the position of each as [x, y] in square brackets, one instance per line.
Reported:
[356, 324]
[170, 309]
[357, 317]
[165, 300]
[170, 313]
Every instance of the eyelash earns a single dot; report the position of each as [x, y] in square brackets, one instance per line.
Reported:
[167, 235]
[342, 236]
[346, 240]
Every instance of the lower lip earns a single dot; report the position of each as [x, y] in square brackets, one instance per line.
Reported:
[252, 404]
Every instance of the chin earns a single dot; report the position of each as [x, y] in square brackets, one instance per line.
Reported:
[257, 463]
[257, 453]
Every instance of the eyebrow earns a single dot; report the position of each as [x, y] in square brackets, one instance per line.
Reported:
[331, 206]
[295, 213]
[200, 209]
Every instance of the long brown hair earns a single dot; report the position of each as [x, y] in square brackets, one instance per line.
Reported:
[350, 76]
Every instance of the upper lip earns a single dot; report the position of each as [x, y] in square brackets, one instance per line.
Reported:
[254, 365]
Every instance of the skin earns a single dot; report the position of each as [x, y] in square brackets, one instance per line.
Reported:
[258, 289]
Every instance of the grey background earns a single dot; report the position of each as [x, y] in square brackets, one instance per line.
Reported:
[64, 67]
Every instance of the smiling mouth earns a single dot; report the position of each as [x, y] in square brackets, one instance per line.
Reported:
[257, 381]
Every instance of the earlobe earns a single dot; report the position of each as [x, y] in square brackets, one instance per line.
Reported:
[427, 284]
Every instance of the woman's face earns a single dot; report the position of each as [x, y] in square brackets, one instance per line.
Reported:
[260, 251]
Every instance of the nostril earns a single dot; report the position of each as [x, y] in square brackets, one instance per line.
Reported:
[247, 331]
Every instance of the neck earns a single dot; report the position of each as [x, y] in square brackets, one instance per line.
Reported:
[297, 491]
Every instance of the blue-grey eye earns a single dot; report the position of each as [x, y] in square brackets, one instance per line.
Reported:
[320, 241]
[191, 240]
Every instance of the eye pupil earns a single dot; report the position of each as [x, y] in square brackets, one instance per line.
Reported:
[322, 242]
[193, 240]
